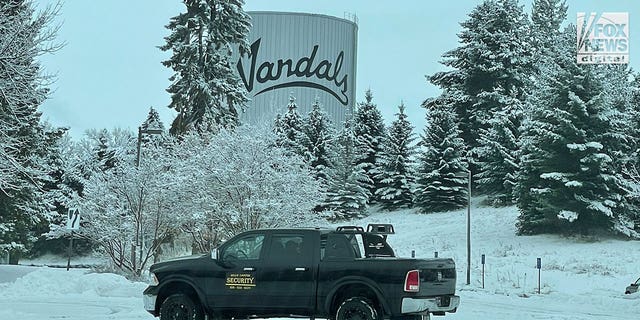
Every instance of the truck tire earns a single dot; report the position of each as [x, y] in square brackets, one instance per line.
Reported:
[357, 308]
[180, 307]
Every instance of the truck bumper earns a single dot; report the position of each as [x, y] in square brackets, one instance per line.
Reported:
[430, 305]
[150, 303]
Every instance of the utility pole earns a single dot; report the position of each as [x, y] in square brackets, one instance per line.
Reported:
[469, 229]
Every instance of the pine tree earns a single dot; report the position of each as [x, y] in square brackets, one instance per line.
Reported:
[632, 169]
[396, 164]
[152, 130]
[490, 68]
[153, 121]
[291, 131]
[27, 147]
[568, 181]
[205, 90]
[442, 171]
[635, 115]
[347, 195]
[498, 156]
[369, 130]
[105, 154]
[55, 195]
[546, 17]
[320, 135]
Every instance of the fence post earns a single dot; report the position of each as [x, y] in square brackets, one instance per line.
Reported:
[539, 266]
[483, 271]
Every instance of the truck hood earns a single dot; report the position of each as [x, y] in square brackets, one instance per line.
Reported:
[177, 263]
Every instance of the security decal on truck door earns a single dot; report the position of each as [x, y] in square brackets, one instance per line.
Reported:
[240, 281]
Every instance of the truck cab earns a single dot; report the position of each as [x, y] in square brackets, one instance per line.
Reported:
[344, 273]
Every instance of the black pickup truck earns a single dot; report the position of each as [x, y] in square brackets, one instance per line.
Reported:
[343, 274]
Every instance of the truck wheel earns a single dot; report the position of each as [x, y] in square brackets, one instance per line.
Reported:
[180, 307]
[357, 308]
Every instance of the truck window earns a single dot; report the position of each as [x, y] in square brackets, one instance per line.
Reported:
[287, 248]
[245, 248]
[342, 246]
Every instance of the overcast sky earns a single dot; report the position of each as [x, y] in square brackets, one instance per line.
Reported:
[110, 72]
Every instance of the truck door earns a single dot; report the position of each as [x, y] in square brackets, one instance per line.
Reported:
[289, 272]
[237, 285]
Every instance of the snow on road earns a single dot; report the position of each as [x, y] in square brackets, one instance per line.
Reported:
[54, 293]
[582, 279]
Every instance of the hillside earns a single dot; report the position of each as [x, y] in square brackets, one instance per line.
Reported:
[580, 278]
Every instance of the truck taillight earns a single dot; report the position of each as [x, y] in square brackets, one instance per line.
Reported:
[412, 281]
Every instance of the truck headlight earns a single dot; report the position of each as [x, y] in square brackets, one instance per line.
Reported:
[154, 280]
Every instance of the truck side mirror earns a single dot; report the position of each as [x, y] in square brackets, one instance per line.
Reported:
[214, 253]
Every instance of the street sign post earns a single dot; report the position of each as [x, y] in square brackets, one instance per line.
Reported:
[73, 219]
[73, 223]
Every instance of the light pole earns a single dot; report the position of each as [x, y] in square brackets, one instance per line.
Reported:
[468, 176]
[145, 131]
[469, 228]
[138, 239]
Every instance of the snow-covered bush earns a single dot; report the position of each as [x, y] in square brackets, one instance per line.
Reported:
[240, 180]
[207, 187]
[128, 210]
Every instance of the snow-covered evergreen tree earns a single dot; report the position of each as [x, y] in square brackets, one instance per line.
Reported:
[635, 116]
[152, 130]
[105, 154]
[396, 164]
[490, 69]
[27, 146]
[205, 90]
[291, 130]
[442, 172]
[498, 155]
[320, 135]
[574, 131]
[546, 17]
[153, 121]
[369, 130]
[347, 193]
[54, 191]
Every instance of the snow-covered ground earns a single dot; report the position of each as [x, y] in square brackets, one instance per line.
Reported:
[581, 278]
[54, 293]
